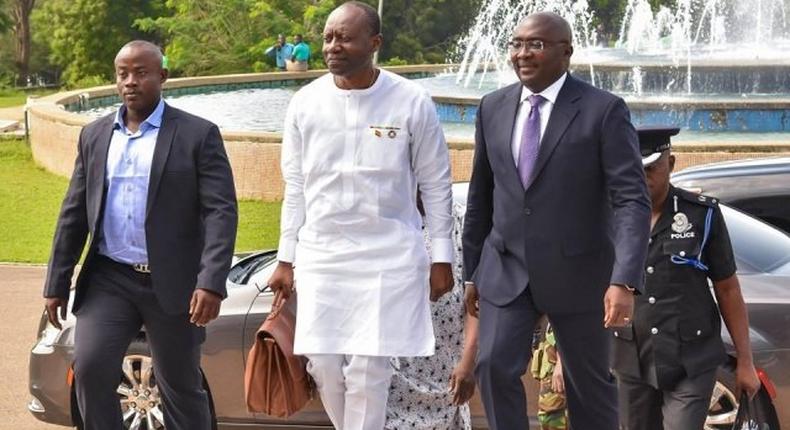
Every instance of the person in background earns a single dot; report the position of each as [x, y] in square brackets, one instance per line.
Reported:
[281, 52]
[301, 54]
[546, 368]
[666, 359]
[419, 396]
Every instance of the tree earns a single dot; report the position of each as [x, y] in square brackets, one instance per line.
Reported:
[231, 36]
[424, 30]
[5, 21]
[21, 10]
[206, 36]
[85, 35]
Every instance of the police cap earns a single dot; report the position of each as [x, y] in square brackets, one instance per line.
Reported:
[653, 141]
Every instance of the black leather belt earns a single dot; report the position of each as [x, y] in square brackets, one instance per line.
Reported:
[143, 268]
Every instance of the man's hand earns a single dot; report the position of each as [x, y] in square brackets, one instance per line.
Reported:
[51, 305]
[441, 280]
[462, 383]
[283, 279]
[746, 379]
[618, 305]
[204, 307]
[472, 300]
[557, 379]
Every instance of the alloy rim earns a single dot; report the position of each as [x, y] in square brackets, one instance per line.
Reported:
[141, 403]
[723, 408]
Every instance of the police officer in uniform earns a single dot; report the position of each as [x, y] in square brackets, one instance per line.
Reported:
[666, 360]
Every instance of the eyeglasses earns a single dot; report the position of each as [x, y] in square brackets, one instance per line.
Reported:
[533, 45]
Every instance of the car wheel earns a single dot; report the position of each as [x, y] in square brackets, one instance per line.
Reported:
[724, 403]
[141, 402]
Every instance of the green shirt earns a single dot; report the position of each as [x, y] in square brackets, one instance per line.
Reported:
[301, 52]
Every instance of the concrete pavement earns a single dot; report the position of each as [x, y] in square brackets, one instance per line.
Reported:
[15, 113]
[21, 308]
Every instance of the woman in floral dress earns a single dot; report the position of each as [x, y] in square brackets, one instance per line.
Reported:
[431, 393]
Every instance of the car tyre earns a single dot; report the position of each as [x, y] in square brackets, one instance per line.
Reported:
[141, 403]
[724, 403]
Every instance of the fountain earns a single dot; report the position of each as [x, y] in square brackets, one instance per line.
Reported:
[706, 65]
[694, 34]
[703, 65]
[717, 68]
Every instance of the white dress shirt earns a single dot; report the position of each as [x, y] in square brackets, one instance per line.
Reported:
[352, 161]
[550, 94]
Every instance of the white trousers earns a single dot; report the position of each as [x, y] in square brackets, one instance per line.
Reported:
[353, 389]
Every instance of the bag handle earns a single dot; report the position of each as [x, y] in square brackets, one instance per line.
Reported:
[277, 304]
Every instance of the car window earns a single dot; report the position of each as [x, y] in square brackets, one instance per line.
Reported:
[758, 246]
[240, 273]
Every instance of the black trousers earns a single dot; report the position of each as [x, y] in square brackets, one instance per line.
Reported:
[684, 407]
[118, 303]
[505, 350]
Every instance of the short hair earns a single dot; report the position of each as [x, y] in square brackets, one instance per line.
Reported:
[371, 15]
[146, 45]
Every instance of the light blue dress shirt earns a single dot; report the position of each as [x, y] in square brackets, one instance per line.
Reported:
[128, 171]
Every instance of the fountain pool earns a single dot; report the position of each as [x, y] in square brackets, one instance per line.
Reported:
[707, 66]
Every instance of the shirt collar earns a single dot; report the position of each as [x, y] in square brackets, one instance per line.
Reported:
[154, 120]
[550, 93]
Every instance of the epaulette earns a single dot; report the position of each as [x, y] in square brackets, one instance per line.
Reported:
[697, 198]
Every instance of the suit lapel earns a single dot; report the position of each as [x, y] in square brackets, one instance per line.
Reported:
[562, 114]
[98, 170]
[510, 104]
[164, 140]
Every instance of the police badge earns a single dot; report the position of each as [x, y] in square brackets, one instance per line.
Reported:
[681, 224]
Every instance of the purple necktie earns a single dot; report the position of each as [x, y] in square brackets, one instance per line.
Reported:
[530, 140]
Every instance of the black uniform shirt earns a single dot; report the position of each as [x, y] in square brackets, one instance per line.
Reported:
[676, 326]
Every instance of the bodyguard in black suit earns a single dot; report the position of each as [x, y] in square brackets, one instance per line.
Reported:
[557, 222]
[153, 195]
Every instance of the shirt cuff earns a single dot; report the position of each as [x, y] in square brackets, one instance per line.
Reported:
[442, 251]
[286, 250]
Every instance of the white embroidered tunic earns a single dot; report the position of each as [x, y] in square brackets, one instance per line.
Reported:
[352, 161]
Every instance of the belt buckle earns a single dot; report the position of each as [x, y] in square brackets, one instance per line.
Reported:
[141, 268]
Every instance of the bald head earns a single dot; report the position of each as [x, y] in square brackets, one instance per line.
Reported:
[556, 26]
[139, 77]
[541, 50]
[142, 47]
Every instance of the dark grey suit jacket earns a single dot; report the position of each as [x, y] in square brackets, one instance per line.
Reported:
[583, 221]
[191, 211]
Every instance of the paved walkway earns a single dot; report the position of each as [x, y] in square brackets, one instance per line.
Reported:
[16, 113]
[21, 308]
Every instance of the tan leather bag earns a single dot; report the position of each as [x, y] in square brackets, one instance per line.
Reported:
[275, 380]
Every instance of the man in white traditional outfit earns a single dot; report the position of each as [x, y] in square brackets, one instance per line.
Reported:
[357, 144]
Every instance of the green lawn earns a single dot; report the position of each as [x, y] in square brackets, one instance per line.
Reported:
[9, 98]
[30, 200]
